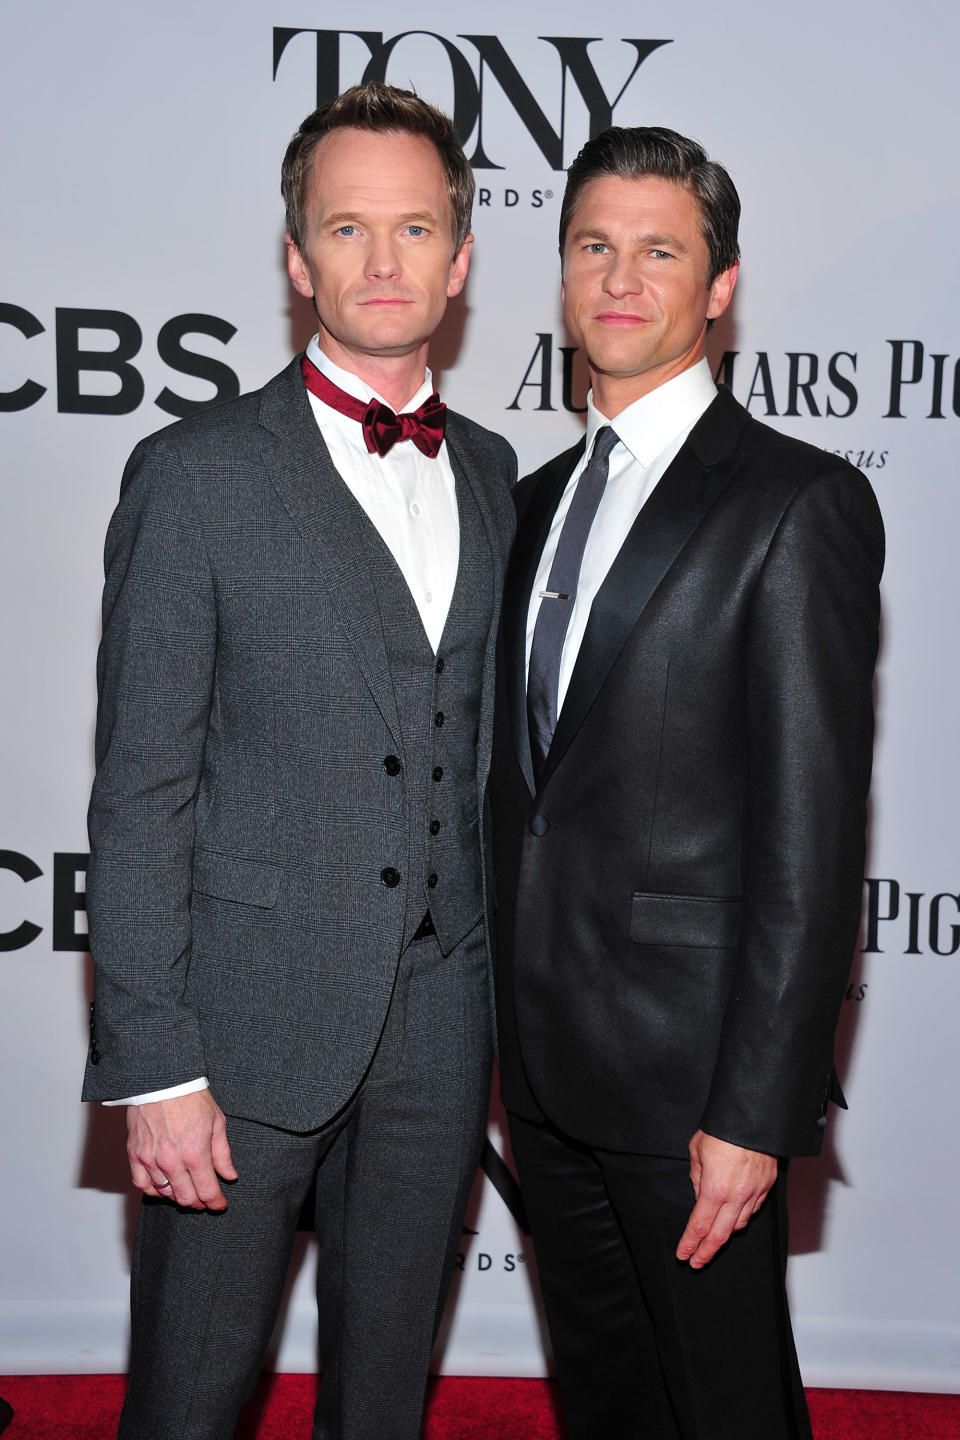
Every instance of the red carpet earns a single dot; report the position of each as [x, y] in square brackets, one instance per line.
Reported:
[85, 1407]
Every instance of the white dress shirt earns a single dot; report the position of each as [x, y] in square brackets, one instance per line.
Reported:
[412, 501]
[410, 498]
[650, 433]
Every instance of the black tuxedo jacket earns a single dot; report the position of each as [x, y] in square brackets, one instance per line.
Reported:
[678, 901]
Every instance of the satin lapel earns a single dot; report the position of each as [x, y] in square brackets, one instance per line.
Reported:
[314, 495]
[658, 535]
[532, 531]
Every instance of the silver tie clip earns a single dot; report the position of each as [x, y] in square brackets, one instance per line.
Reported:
[553, 594]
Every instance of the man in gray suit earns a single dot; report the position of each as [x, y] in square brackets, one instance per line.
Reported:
[287, 889]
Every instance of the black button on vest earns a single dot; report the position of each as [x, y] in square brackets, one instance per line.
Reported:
[390, 877]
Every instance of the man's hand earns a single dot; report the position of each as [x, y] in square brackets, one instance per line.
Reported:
[184, 1141]
[730, 1184]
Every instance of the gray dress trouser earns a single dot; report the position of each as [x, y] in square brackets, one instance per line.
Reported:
[393, 1171]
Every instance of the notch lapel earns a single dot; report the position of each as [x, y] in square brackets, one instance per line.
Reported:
[313, 493]
[546, 487]
[463, 464]
[495, 507]
[660, 532]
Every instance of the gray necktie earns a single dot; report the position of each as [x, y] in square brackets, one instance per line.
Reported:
[553, 617]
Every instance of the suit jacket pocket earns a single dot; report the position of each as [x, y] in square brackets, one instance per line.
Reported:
[231, 877]
[694, 921]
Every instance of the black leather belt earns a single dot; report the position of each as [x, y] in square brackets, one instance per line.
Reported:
[424, 929]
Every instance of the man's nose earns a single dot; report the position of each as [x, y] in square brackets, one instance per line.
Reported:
[383, 260]
[623, 277]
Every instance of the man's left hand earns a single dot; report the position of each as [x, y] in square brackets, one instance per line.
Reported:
[730, 1184]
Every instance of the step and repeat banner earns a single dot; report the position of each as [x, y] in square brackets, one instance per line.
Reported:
[143, 275]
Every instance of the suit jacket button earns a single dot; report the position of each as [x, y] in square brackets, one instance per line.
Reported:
[432, 881]
[94, 1057]
[439, 665]
[439, 718]
[434, 827]
[438, 772]
[821, 1122]
[392, 764]
[390, 877]
[539, 825]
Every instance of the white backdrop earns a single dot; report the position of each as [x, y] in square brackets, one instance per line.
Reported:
[139, 182]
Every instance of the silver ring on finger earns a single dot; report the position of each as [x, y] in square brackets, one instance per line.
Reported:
[161, 1184]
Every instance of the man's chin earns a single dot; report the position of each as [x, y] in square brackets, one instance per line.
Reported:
[618, 354]
[381, 341]
[618, 367]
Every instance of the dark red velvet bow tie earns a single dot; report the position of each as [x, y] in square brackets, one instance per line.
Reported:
[381, 427]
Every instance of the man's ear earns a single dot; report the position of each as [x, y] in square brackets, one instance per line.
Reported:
[721, 291]
[459, 266]
[297, 270]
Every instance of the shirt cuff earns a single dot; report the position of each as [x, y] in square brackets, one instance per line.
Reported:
[189, 1087]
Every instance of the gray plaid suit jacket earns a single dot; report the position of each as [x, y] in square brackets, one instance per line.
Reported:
[241, 815]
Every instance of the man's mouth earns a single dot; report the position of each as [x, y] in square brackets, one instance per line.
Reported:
[620, 317]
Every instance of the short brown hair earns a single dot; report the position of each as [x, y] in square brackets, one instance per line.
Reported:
[386, 109]
[633, 153]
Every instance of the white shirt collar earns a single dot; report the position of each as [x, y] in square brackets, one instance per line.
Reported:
[649, 425]
[358, 388]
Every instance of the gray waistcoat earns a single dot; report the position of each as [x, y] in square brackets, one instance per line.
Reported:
[438, 699]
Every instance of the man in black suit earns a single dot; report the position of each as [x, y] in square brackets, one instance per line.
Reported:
[287, 889]
[682, 754]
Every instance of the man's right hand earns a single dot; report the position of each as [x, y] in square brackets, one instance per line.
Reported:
[183, 1140]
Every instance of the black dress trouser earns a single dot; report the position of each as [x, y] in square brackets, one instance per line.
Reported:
[645, 1347]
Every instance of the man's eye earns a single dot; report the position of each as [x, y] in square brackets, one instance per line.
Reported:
[347, 230]
[596, 247]
[416, 230]
[661, 254]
